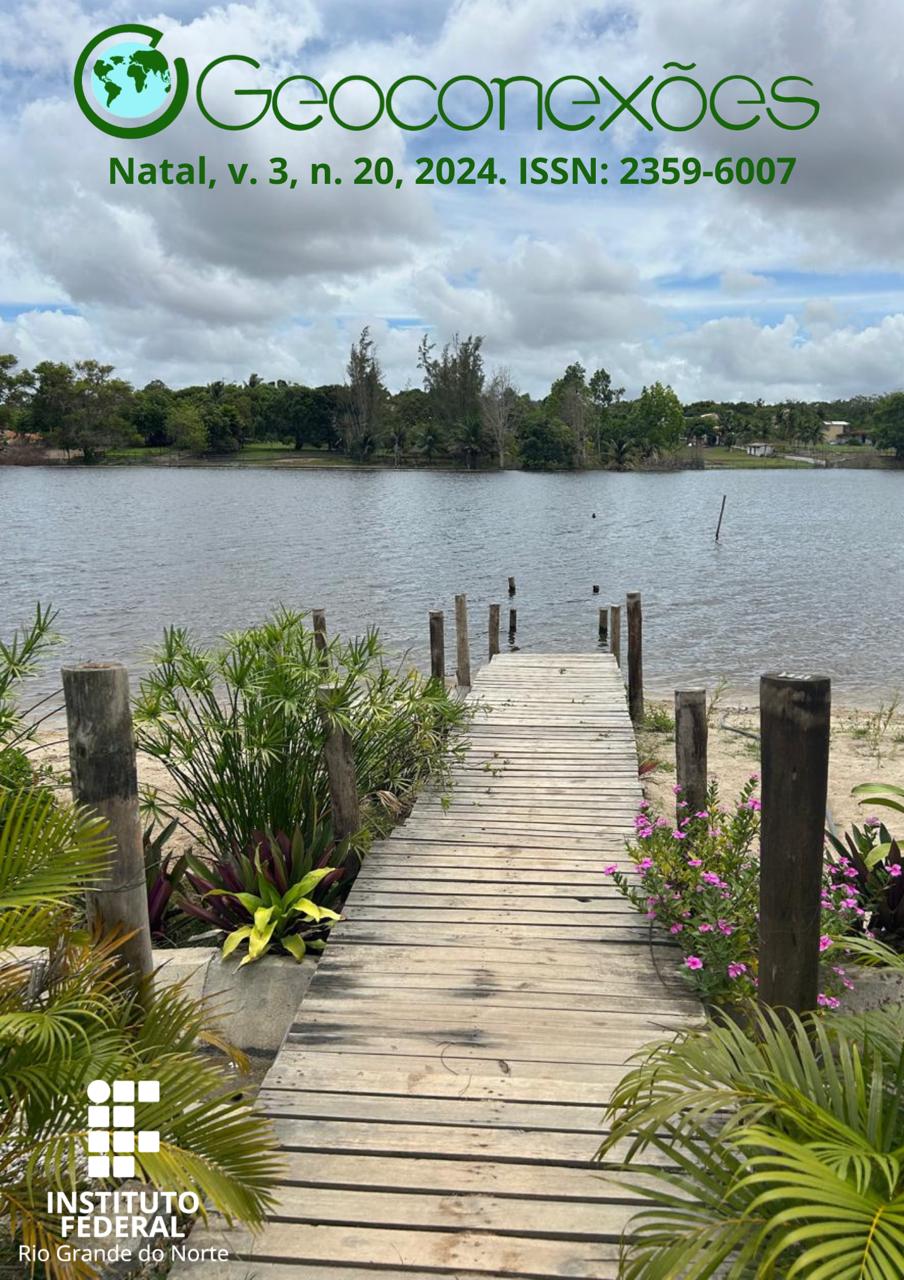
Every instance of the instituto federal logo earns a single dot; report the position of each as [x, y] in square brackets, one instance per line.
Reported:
[113, 1137]
[125, 85]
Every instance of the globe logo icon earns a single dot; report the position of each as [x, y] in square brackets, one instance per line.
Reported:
[130, 80]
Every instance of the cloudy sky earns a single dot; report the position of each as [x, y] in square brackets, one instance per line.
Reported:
[728, 292]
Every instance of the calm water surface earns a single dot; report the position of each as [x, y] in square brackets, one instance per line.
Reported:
[808, 575]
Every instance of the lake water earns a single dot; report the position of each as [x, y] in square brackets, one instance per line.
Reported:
[808, 575]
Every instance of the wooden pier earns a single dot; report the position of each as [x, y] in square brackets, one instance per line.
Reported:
[439, 1098]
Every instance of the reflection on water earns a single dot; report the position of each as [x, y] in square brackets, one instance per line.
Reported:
[807, 575]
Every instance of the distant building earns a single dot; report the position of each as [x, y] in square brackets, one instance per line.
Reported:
[832, 432]
[844, 433]
[759, 449]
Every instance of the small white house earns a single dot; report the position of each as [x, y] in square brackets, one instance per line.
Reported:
[759, 449]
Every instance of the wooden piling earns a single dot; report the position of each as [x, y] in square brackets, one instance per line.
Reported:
[463, 650]
[511, 586]
[721, 514]
[794, 731]
[596, 589]
[635, 656]
[691, 735]
[604, 624]
[339, 756]
[615, 632]
[513, 623]
[494, 630]
[318, 621]
[437, 646]
[105, 778]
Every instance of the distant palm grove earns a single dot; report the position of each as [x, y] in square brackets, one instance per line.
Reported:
[461, 413]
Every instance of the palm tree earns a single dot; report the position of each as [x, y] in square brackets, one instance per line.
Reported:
[783, 1147]
[72, 1017]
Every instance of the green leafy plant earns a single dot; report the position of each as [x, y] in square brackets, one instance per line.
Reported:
[699, 877]
[277, 892]
[240, 730]
[71, 1017]
[783, 1150]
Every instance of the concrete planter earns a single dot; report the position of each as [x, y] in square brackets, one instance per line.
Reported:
[254, 1006]
[873, 988]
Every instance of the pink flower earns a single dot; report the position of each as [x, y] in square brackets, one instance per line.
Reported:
[694, 962]
[827, 1002]
[645, 864]
[725, 928]
[701, 813]
[644, 804]
[894, 869]
[677, 790]
[705, 928]
[610, 870]
[825, 942]
[710, 877]
[678, 835]
[873, 822]
[754, 804]
[676, 928]
[754, 777]
[735, 969]
[695, 862]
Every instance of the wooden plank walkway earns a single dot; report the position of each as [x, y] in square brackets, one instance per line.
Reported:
[440, 1096]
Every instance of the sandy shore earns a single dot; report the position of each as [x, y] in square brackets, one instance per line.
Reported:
[864, 748]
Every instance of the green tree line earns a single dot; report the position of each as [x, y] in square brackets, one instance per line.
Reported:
[461, 412]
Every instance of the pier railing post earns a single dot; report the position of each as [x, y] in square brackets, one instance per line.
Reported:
[511, 586]
[794, 732]
[691, 735]
[494, 630]
[615, 632]
[437, 646]
[635, 657]
[604, 625]
[102, 762]
[463, 650]
[318, 621]
[339, 757]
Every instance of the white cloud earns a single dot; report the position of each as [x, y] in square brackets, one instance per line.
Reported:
[191, 284]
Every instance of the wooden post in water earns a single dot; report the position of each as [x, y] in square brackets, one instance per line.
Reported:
[794, 732]
[318, 621]
[437, 646]
[635, 657]
[721, 514]
[691, 735]
[615, 632]
[511, 586]
[105, 778]
[339, 757]
[513, 623]
[494, 630]
[463, 651]
[604, 624]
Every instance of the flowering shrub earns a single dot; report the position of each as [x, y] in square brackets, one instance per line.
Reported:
[699, 879]
[868, 865]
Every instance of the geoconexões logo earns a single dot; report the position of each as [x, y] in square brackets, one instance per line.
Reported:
[125, 85]
[113, 1136]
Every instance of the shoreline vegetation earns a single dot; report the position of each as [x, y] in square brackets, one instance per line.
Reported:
[463, 416]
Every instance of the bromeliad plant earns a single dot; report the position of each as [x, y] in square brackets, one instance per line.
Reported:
[783, 1147]
[239, 728]
[699, 879]
[276, 893]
